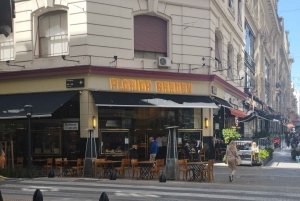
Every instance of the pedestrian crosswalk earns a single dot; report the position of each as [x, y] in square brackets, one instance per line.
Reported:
[88, 189]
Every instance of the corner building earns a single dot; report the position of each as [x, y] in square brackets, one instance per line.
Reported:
[134, 67]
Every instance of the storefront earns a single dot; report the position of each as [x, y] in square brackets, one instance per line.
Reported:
[128, 106]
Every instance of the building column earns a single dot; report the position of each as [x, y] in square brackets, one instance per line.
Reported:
[88, 110]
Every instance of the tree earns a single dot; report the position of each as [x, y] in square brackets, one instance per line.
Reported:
[230, 134]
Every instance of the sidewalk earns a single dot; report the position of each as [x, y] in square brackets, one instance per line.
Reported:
[282, 159]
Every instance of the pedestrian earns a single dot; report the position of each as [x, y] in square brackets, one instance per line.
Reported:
[2, 157]
[153, 149]
[197, 147]
[187, 151]
[159, 141]
[233, 159]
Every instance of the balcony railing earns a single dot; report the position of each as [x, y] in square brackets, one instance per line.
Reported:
[250, 62]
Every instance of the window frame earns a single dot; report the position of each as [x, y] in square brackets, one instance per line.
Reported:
[169, 36]
[35, 33]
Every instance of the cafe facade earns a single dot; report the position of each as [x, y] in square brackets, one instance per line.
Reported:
[124, 108]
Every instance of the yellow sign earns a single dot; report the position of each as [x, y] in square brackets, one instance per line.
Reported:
[146, 86]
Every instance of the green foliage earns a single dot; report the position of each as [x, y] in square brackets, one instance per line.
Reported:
[263, 154]
[295, 152]
[230, 134]
[270, 150]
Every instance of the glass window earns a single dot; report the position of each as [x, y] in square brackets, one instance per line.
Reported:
[6, 47]
[53, 34]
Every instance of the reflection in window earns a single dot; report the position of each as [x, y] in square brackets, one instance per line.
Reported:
[46, 142]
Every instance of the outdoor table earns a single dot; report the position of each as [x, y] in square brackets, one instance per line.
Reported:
[145, 167]
[66, 171]
[39, 165]
[108, 166]
[197, 166]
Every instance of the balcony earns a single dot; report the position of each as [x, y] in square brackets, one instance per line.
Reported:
[249, 62]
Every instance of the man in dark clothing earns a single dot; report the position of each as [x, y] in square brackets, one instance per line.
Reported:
[153, 149]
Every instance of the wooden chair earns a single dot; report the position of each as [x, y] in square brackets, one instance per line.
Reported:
[202, 154]
[58, 164]
[98, 166]
[78, 168]
[19, 161]
[159, 166]
[208, 171]
[48, 165]
[125, 164]
[218, 154]
[135, 168]
[183, 167]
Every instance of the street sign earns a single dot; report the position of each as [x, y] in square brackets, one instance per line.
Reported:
[74, 83]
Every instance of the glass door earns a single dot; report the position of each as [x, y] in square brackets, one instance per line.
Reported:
[188, 136]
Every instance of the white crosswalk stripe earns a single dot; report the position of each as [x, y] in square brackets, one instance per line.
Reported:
[58, 190]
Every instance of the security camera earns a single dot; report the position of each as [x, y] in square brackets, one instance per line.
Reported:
[7, 61]
[63, 57]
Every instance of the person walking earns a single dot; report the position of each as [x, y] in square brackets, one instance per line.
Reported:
[153, 149]
[232, 158]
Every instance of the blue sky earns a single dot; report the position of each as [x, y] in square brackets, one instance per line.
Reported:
[290, 11]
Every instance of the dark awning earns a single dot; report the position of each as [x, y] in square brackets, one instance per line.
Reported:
[44, 104]
[151, 100]
[222, 102]
[248, 118]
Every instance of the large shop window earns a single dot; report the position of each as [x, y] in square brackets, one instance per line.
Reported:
[53, 34]
[150, 37]
[120, 128]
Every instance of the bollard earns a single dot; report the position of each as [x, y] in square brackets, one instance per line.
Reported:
[162, 177]
[113, 175]
[103, 197]
[37, 196]
[51, 174]
[1, 199]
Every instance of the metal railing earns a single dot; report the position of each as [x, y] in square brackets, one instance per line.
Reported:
[250, 62]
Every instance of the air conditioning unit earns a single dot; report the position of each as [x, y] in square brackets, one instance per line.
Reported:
[164, 62]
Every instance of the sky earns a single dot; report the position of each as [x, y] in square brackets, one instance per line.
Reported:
[290, 11]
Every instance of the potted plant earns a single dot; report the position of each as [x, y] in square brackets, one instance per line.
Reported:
[230, 134]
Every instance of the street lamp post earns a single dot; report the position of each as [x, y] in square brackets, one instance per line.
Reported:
[28, 110]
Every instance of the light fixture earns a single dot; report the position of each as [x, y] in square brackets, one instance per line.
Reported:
[94, 122]
[206, 123]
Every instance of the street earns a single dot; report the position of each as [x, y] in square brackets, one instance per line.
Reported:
[278, 180]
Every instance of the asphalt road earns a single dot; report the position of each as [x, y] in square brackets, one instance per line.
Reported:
[279, 180]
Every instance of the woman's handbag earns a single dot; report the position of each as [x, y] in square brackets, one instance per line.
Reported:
[238, 160]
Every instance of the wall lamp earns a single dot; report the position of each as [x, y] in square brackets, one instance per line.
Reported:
[8, 63]
[94, 122]
[64, 58]
[206, 123]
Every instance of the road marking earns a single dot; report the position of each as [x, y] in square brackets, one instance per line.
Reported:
[145, 189]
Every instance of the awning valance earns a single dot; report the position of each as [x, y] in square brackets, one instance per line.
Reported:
[119, 99]
[222, 102]
[44, 104]
[237, 113]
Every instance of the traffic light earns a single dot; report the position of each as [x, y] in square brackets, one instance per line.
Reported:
[7, 13]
